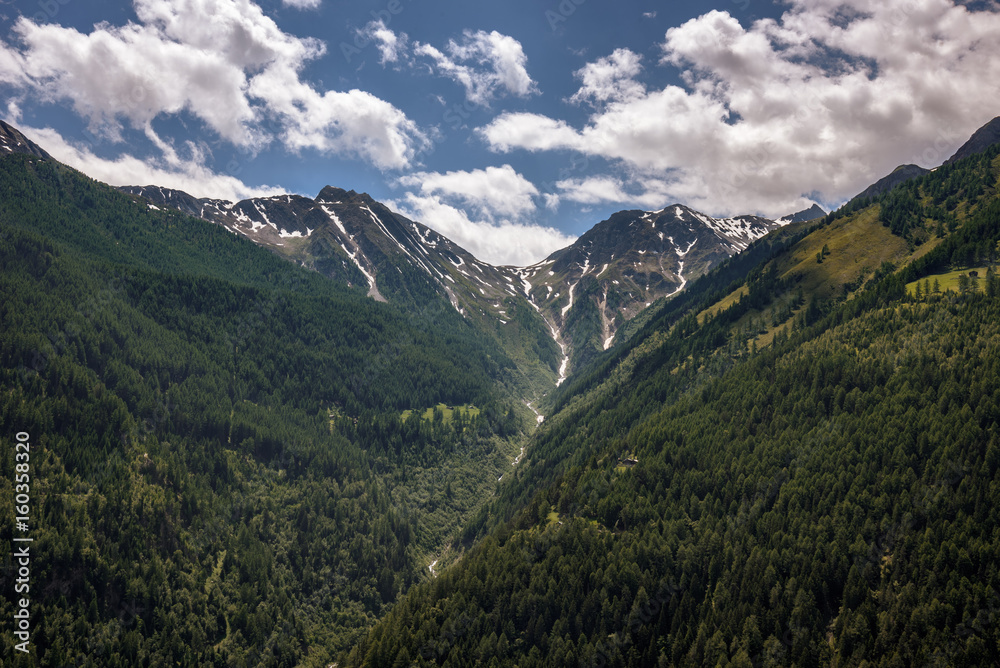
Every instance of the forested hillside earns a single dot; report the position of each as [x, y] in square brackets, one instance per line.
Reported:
[220, 470]
[796, 467]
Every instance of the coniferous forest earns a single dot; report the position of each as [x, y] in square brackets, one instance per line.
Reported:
[237, 462]
[806, 477]
[221, 472]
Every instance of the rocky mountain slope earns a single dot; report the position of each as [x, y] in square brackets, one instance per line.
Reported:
[554, 314]
[353, 239]
[624, 264]
[12, 141]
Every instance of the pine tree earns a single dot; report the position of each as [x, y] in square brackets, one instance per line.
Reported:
[963, 283]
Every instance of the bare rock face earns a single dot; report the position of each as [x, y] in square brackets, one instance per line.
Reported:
[12, 141]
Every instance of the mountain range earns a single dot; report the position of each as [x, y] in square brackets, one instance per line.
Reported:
[579, 296]
[583, 293]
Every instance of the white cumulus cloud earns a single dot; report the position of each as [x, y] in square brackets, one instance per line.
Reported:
[827, 99]
[593, 190]
[611, 78]
[484, 63]
[495, 192]
[224, 62]
[499, 243]
[488, 211]
[391, 45]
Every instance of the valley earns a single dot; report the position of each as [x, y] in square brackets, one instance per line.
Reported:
[809, 442]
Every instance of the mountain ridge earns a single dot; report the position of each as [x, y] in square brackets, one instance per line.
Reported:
[982, 139]
[898, 176]
[812, 213]
[352, 237]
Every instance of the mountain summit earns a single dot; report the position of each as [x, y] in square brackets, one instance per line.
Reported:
[981, 140]
[625, 263]
[901, 174]
[812, 213]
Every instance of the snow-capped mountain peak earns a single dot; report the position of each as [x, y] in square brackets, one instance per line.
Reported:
[579, 296]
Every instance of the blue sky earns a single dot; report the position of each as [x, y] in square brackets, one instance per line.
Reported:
[510, 127]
